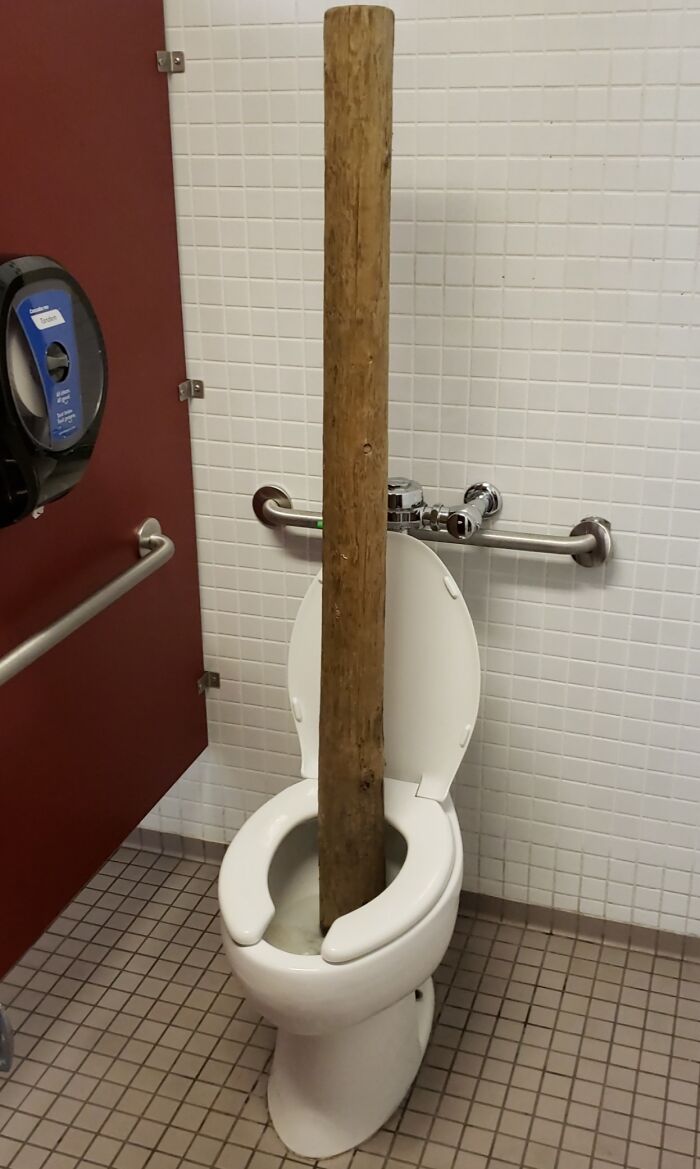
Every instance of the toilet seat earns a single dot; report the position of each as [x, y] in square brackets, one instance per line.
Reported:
[246, 866]
[431, 670]
[417, 887]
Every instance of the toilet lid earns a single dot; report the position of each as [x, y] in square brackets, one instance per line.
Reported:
[431, 670]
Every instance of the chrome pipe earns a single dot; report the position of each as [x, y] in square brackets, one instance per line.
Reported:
[589, 542]
[154, 550]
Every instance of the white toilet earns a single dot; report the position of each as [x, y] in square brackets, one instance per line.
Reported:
[354, 1008]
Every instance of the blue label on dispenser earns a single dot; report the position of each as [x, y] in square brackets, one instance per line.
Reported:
[46, 318]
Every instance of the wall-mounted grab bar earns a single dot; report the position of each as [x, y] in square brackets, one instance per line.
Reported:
[589, 542]
[154, 550]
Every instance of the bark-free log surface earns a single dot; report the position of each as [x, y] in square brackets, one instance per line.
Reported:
[358, 44]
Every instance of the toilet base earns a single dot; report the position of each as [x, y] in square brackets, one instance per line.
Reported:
[328, 1093]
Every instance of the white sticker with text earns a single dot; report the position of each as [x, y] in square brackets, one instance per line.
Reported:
[47, 318]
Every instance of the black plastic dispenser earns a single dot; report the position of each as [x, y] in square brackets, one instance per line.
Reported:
[53, 384]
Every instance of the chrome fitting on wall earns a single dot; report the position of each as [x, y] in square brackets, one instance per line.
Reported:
[405, 504]
[407, 510]
[481, 501]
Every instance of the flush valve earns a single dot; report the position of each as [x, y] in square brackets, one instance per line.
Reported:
[405, 504]
[408, 511]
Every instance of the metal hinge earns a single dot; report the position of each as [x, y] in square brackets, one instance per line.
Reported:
[210, 680]
[7, 1041]
[191, 388]
[170, 61]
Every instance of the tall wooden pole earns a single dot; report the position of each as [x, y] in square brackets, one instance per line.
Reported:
[358, 45]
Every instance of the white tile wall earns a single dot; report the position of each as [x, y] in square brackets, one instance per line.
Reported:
[544, 312]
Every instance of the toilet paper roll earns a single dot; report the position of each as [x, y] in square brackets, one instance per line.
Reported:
[22, 371]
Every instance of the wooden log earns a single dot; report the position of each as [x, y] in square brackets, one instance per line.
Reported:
[358, 45]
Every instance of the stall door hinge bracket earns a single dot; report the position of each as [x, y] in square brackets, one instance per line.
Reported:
[170, 61]
[189, 389]
[210, 680]
[7, 1041]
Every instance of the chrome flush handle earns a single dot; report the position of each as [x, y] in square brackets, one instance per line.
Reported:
[481, 501]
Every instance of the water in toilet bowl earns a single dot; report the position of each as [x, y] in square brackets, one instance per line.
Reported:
[293, 884]
[297, 929]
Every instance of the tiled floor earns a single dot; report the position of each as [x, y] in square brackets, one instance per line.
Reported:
[135, 1051]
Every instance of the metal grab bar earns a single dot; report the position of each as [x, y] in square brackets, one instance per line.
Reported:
[589, 542]
[582, 544]
[154, 550]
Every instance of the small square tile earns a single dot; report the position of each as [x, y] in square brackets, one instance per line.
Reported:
[233, 1157]
[205, 1150]
[118, 1125]
[131, 1157]
[19, 1127]
[468, 1160]
[8, 1149]
[545, 1044]
[246, 1133]
[30, 1157]
[477, 1140]
[103, 1150]
[74, 1142]
[147, 1133]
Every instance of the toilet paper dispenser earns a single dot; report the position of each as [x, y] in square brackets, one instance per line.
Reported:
[53, 384]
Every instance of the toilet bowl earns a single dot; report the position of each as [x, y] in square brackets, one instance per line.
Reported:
[354, 1008]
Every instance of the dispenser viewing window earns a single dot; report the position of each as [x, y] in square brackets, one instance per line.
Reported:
[53, 383]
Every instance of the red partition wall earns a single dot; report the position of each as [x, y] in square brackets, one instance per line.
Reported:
[93, 734]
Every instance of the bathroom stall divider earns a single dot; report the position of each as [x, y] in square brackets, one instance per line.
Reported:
[94, 730]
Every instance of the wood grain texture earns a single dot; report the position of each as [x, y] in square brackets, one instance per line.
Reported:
[358, 44]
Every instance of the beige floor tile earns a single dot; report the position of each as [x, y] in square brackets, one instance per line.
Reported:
[548, 1052]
